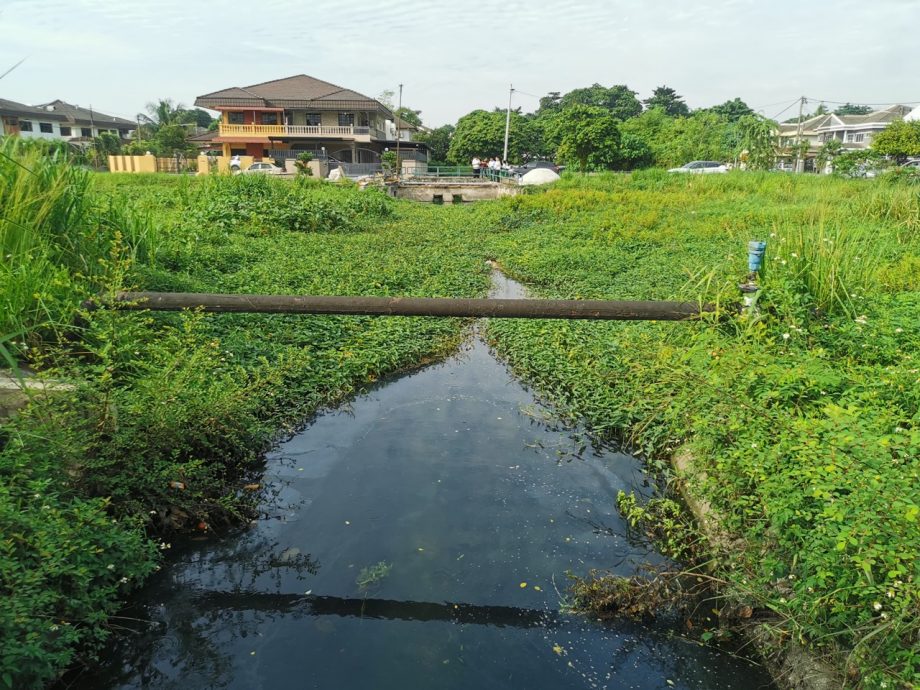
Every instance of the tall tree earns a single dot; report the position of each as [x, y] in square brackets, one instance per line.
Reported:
[619, 100]
[482, 133]
[851, 109]
[407, 115]
[758, 139]
[732, 110]
[163, 112]
[549, 103]
[587, 135]
[667, 99]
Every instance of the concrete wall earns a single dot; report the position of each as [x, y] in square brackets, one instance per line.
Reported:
[133, 164]
[466, 192]
[221, 164]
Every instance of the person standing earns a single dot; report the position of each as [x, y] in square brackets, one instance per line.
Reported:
[476, 165]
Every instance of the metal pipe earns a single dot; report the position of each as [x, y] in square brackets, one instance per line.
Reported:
[413, 306]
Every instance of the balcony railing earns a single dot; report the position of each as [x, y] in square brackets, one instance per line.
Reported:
[295, 131]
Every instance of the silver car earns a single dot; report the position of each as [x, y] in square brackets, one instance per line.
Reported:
[700, 167]
[263, 169]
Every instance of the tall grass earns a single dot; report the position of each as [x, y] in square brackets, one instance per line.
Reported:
[55, 237]
[830, 262]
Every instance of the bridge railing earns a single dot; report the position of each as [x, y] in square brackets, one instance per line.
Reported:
[459, 171]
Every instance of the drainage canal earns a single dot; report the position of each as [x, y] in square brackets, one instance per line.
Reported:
[416, 538]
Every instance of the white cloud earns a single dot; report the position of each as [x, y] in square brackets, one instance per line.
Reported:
[455, 57]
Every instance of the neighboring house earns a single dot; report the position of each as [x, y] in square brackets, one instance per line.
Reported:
[280, 119]
[205, 141]
[86, 123]
[19, 119]
[60, 120]
[853, 131]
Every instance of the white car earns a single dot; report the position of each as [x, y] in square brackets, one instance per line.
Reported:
[263, 169]
[701, 167]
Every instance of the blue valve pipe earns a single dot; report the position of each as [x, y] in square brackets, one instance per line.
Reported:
[756, 250]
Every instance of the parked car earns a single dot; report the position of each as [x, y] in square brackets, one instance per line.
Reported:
[263, 169]
[533, 165]
[912, 165]
[700, 167]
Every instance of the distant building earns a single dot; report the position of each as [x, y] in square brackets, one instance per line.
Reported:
[282, 118]
[61, 121]
[853, 131]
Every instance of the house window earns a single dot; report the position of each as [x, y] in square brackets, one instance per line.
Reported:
[235, 118]
[25, 126]
[45, 127]
[86, 131]
[346, 119]
[860, 138]
[269, 118]
[65, 131]
[314, 119]
[849, 138]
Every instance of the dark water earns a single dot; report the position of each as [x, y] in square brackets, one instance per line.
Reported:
[461, 485]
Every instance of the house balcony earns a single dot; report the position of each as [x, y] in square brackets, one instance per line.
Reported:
[351, 132]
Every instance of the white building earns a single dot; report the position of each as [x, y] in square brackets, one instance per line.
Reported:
[59, 120]
[853, 131]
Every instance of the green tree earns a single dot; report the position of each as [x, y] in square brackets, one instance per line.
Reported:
[634, 153]
[619, 100]
[899, 139]
[550, 103]
[668, 100]
[170, 140]
[407, 115]
[653, 127]
[200, 117]
[162, 113]
[587, 135]
[732, 110]
[758, 139]
[482, 133]
[828, 152]
[438, 141]
[820, 110]
[851, 109]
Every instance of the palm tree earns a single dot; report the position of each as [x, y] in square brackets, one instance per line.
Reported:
[165, 112]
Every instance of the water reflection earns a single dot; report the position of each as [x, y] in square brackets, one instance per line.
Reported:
[476, 499]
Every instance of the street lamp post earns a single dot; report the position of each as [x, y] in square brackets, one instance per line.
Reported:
[507, 123]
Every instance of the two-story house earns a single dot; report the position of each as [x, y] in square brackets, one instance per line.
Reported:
[18, 119]
[280, 119]
[853, 131]
[86, 123]
[60, 120]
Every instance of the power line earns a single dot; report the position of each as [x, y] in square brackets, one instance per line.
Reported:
[527, 94]
[795, 102]
[824, 100]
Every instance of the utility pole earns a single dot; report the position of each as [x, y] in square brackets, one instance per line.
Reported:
[398, 108]
[507, 123]
[798, 136]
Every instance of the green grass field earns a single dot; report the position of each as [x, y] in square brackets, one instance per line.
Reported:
[804, 418]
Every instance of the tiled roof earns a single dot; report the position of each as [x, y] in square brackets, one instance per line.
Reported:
[809, 125]
[85, 116]
[298, 91]
[22, 110]
[884, 116]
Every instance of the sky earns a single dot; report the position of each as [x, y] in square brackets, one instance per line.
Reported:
[454, 57]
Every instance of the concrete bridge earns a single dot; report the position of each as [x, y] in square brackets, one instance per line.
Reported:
[451, 190]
